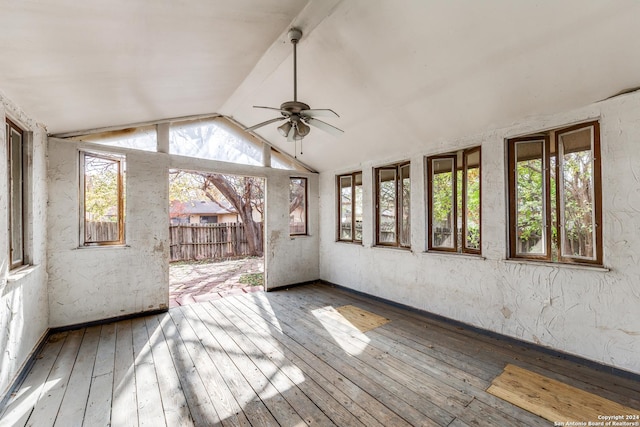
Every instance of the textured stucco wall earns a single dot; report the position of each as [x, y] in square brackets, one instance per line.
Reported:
[588, 312]
[87, 284]
[24, 309]
[290, 260]
[93, 283]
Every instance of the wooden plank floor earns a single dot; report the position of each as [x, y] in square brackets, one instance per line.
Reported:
[284, 358]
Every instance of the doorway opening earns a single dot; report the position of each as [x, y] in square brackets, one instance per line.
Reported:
[216, 235]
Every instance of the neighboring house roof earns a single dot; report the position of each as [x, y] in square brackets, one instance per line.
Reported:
[199, 207]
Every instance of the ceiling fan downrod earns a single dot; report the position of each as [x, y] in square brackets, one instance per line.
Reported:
[298, 115]
[294, 36]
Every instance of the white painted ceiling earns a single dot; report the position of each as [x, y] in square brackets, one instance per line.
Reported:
[404, 75]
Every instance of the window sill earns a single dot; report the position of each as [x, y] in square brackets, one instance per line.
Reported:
[104, 247]
[455, 254]
[558, 265]
[393, 248]
[21, 272]
[297, 236]
[348, 242]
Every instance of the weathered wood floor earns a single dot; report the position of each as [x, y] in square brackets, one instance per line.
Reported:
[284, 358]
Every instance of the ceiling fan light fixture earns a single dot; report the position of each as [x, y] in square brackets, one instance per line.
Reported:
[303, 129]
[284, 129]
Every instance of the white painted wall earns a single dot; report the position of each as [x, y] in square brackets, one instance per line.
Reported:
[583, 311]
[24, 309]
[92, 283]
[290, 260]
[87, 284]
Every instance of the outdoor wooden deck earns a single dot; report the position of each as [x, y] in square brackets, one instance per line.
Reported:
[284, 358]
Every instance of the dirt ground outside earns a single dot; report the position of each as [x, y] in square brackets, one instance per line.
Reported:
[197, 281]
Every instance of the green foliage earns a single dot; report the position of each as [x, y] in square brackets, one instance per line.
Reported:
[473, 208]
[530, 201]
[252, 279]
[101, 189]
[442, 204]
[577, 201]
[185, 186]
[442, 194]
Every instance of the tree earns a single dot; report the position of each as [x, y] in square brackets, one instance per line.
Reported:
[101, 189]
[246, 194]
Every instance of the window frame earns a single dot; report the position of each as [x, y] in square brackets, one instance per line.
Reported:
[547, 137]
[399, 222]
[305, 204]
[462, 167]
[430, 159]
[11, 127]
[465, 185]
[120, 159]
[339, 238]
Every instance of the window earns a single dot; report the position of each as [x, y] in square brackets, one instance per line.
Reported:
[555, 197]
[453, 187]
[393, 219]
[140, 138]
[15, 167]
[209, 219]
[350, 207]
[102, 185]
[298, 206]
[215, 139]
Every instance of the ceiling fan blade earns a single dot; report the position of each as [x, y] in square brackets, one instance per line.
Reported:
[321, 112]
[259, 125]
[285, 112]
[325, 126]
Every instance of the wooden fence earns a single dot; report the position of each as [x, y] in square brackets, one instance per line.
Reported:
[97, 231]
[189, 241]
[208, 241]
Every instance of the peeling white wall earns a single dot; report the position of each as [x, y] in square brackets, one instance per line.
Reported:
[290, 260]
[24, 309]
[93, 283]
[87, 284]
[592, 313]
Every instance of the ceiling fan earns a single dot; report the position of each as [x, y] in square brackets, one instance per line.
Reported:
[298, 114]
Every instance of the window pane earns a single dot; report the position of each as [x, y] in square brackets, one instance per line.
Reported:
[280, 161]
[142, 138]
[103, 199]
[577, 194]
[17, 231]
[472, 201]
[387, 205]
[298, 206]
[358, 207]
[405, 214]
[442, 203]
[530, 198]
[215, 139]
[346, 208]
[553, 189]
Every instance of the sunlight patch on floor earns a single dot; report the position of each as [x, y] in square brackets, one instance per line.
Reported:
[24, 402]
[362, 319]
[345, 333]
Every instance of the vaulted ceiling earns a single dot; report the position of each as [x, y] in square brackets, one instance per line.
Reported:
[404, 75]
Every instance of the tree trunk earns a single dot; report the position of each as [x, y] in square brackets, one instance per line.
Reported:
[242, 204]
